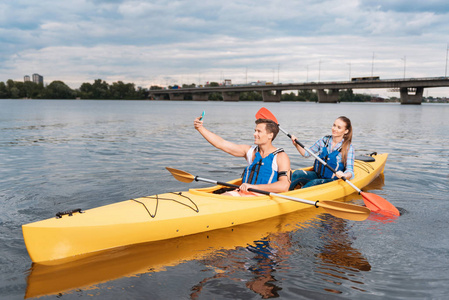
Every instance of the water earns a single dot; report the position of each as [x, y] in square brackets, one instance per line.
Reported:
[60, 155]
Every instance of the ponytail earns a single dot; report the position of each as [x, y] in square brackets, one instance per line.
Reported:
[347, 139]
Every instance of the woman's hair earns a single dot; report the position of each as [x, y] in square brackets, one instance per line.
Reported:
[347, 139]
[270, 126]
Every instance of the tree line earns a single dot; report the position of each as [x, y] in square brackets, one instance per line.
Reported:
[59, 90]
[127, 91]
[302, 95]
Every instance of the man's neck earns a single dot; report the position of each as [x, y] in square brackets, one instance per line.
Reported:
[266, 149]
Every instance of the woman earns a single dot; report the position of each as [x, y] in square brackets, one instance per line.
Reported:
[336, 150]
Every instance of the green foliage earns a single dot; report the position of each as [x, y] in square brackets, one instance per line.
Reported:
[251, 96]
[307, 95]
[33, 90]
[215, 96]
[187, 86]
[59, 90]
[303, 95]
[17, 90]
[347, 95]
[100, 89]
[3, 91]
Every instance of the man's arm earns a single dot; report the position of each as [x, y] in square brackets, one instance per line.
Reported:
[220, 143]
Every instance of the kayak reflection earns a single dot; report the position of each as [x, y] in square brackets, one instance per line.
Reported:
[269, 258]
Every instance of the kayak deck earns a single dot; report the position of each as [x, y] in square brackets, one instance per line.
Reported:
[171, 215]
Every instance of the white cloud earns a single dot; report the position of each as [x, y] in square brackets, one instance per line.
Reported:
[146, 42]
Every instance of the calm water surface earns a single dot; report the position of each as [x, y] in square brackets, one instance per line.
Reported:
[60, 155]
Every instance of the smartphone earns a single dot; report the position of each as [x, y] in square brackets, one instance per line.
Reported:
[202, 115]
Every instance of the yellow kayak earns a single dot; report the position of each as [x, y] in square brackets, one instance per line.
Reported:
[170, 215]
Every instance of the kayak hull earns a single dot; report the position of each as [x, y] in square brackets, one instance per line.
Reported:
[172, 215]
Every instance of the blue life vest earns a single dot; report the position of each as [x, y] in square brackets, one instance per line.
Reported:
[330, 158]
[261, 170]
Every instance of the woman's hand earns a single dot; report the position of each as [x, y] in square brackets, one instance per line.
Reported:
[293, 140]
[340, 174]
[297, 146]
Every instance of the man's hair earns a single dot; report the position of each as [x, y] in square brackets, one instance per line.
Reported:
[270, 126]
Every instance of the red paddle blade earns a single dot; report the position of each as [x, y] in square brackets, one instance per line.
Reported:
[378, 204]
[264, 113]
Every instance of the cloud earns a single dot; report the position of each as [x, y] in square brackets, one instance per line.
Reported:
[436, 6]
[147, 42]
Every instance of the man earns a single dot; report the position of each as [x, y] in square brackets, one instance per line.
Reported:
[268, 167]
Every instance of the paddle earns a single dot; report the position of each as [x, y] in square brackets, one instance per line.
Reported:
[338, 209]
[372, 201]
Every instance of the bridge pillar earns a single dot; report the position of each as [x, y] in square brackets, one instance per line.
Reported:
[411, 98]
[329, 97]
[230, 96]
[267, 96]
[200, 96]
[175, 96]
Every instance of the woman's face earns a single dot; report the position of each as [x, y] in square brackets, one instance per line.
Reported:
[339, 129]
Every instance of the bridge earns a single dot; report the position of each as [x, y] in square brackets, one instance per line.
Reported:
[411, 89]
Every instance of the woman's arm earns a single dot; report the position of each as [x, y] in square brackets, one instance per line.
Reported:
[349, 171]
[298, 147]
[315, 148]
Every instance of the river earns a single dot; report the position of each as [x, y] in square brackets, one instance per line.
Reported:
[57, 155]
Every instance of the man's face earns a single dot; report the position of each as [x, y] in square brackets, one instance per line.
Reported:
[261, 136]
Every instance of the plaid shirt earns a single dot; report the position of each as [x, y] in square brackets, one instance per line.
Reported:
[316, 148]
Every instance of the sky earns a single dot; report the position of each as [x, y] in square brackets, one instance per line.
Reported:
[165, 42]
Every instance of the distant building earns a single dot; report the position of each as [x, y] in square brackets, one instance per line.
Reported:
[38, 78]
[26, 78]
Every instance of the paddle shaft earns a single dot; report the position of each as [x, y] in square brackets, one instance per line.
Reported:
[340, 210]
[197, 178]
[320, 160]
